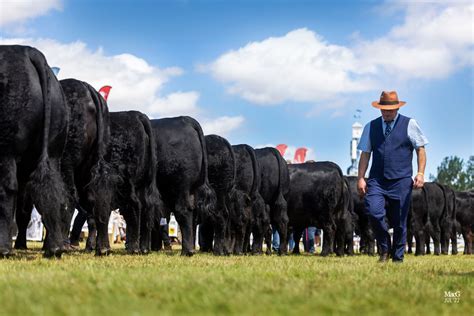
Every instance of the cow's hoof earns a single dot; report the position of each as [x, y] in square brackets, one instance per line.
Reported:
[5, 253]
[188, 253]
[21, 246]
[324, 254]
[53, 253]
[102, 252]
[133, 251]
[145, 251]
[238, 253]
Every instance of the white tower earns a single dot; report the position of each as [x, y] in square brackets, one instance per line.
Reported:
[355, 153]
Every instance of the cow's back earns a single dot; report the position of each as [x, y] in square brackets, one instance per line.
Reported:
[22, 104]
[221, 163]
[246, 173]
[180, 154]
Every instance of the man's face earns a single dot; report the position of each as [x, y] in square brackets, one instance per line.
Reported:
[389, 115]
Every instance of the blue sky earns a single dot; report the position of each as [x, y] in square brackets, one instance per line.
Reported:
[267, 72]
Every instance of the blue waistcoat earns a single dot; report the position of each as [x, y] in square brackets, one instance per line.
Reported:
[392, 155]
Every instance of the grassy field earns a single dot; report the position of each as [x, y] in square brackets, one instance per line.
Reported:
[168, 284]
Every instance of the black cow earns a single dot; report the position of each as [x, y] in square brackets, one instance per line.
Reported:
[248, 208]
[83, 167]
[221, 173]
[465, 217]
[436, 214]
[33, 131]
[132, 157]
[317, 198]
[274, 188]
[365, 231]
[448, 220]
[417, 221]
[182, 173]
[349, 221]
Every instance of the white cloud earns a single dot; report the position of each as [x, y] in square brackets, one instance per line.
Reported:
[434, 40]
[222, 125]
[299, 66]
[18, 11]
[136, 84]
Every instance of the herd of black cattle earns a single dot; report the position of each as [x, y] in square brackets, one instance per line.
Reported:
[61, 148]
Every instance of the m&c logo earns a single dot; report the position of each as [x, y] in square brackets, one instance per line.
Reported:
[452, 297]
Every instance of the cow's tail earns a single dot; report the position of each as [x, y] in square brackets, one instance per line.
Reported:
[45, 182]
[102, 182]
[205, 195]
[280, 205]
[347, 196]
[256, 180]
[233, 195]
[153, 200]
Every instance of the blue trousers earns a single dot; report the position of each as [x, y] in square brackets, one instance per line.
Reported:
[389, 198]
[275, 239]
[308, 239]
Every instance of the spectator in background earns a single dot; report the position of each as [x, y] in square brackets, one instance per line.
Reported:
[308, 239]
[162, 238]
[275, 240]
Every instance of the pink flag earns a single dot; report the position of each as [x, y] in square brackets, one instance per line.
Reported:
[282, 148]
[104, 92]
[300, 155]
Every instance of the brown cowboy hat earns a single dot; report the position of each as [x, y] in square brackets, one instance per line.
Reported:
[388, 101]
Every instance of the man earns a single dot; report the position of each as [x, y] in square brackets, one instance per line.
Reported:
[392, 139]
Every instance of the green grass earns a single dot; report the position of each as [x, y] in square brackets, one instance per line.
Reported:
[163, 284]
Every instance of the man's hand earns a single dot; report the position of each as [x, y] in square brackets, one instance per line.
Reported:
[418, 182]
[361, 187]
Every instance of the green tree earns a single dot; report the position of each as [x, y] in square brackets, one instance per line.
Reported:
[456, 174]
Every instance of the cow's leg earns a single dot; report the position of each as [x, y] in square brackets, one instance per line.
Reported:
[445, 236]
[436, 239]
[131, 214]
[47, 190]
[329, 230]
[146, 223]
[454, 240]
[419, 242]
[370, 242]
[102, 226]
[349, 241]
[219, 224]
[340, 236]
[23, 216]
[8, 195]
[184, 216]
[271, 239]
[260, 224]
[280, 217]
[72, 199]
[467, 235]
[91, 242]
[297, 232]
[206, 235]
[79, 221]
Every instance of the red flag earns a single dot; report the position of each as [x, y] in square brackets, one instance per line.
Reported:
[300, 155]
[104, 92]
[282, 148]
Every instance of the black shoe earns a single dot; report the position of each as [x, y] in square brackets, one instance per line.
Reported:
[383, 257]
[397, 261]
